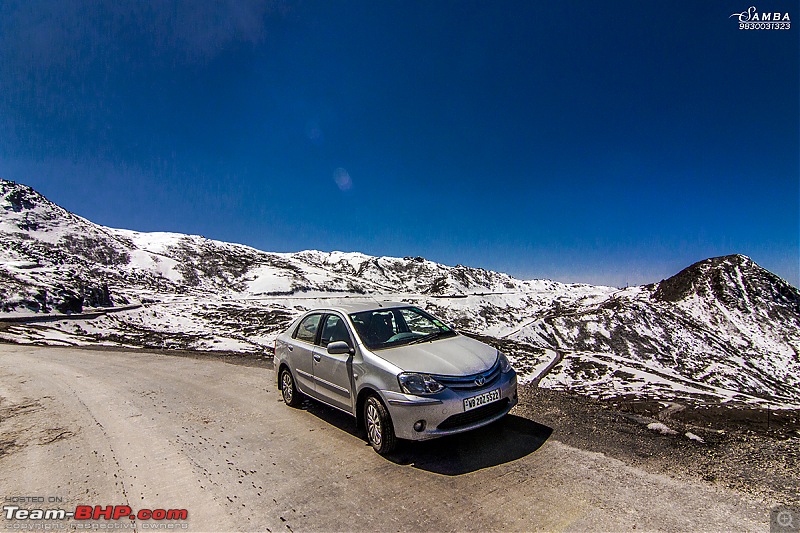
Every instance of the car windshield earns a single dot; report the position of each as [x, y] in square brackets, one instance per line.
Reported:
[387, 328]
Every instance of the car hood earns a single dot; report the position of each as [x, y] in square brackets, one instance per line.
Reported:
[454, 356]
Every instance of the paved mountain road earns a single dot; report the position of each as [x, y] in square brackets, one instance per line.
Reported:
[161, 431]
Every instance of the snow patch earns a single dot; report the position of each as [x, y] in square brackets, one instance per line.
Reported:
[661, 428]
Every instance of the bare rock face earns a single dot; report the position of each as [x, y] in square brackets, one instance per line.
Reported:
[737, 282]
[69, 302]
[97, 296]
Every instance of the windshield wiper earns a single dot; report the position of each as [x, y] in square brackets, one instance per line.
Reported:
[428, 337]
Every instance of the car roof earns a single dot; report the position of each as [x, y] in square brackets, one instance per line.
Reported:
[357, 307]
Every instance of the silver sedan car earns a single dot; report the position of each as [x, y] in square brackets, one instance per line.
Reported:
[403, 373]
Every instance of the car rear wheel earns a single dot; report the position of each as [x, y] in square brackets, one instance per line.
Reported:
[291, 396]
[380, 431]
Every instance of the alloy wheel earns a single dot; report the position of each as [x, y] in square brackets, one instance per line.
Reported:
[373, 424]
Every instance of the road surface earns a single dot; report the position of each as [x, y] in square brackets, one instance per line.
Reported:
[153, 431]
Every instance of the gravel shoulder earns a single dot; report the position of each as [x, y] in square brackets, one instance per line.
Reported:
[750, 450]
[150, 430]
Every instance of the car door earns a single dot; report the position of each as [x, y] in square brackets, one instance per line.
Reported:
[301, 350]
[333, 372]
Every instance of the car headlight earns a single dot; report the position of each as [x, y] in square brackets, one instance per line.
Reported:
[413, 383]
[505, 366]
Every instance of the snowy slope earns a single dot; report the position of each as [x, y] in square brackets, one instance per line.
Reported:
[721, 329]
[723, 322]
[49, 254]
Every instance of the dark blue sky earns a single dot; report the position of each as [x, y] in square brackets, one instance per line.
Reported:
[612, 142]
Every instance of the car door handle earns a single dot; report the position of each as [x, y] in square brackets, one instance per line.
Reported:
[290, 347]
[317, 357]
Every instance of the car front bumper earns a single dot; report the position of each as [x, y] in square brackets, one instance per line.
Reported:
[444, 413]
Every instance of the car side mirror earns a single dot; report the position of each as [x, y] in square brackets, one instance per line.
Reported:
[340, 347]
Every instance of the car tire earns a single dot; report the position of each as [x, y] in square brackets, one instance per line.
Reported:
[291, 396]
[378, 423]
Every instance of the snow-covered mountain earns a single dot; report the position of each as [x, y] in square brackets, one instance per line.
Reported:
[723, 328]
[46, 248]
[724, 322]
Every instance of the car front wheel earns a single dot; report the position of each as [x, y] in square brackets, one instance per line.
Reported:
[291, 396]
[380, 432]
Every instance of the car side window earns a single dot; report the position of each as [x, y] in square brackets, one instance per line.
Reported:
[307, 330]
[334, 329]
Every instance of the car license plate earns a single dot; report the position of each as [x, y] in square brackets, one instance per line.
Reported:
[481, 399]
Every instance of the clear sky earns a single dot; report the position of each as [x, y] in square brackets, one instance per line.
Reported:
[603, 142]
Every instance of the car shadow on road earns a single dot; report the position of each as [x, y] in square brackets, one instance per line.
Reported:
[506, 440]
[334, 417]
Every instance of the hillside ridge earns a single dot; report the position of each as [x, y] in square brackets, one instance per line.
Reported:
[722, 329]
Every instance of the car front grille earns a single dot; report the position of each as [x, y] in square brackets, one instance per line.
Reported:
[476, 415]
[468, 383]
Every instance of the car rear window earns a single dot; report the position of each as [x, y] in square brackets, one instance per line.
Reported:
[307, 329]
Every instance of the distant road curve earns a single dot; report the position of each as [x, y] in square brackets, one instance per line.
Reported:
[557, 357]
[166, 432]
[30, 319]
